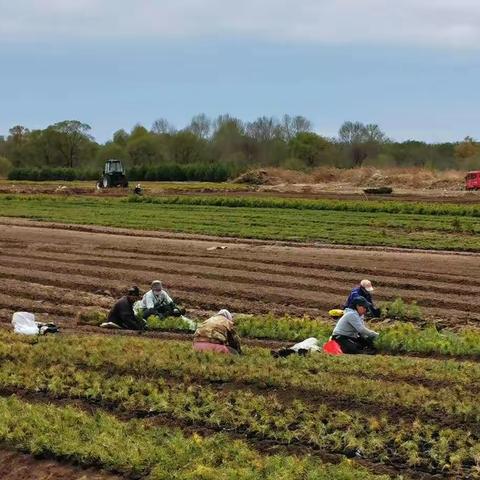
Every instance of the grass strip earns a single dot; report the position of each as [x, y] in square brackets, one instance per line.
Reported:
[395, 337]
[419, 208]
[408, 369]
[153, 453]
[331, 224]
[325, 376]
[263, 416]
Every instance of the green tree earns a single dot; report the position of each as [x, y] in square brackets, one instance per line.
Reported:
[5, 166]
[142, 150]
[467, 149]
[138, 131]
[229, 141]
[186, 147]
[120, 137]
[72, 136]
[308, 147]
[109, 151]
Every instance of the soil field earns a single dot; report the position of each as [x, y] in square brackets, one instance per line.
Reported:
[20, 466]
[118, 405]
[54, 270]
[334, 191]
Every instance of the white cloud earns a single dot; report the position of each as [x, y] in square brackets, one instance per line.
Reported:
[442, 23]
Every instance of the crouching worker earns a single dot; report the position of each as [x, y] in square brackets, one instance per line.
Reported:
[217, 334]
[350, 331]
[122, 313]
[364, 290]
[158, 302]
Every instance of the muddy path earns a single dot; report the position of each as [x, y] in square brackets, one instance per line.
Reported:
[59, 270]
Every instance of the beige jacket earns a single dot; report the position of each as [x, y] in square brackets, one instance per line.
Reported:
[218, 329]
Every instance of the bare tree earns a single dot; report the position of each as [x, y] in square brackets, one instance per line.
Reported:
[18, 133]
[361, 140]
[161, 126]
[291, 126]
[200, 125]
[264, 129]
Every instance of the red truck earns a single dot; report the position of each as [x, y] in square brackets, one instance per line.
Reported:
[472, 180]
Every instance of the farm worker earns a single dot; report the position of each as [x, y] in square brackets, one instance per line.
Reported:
[217, 334]
[122, 313]
[364, 290]
[350, 331]
[158, 302]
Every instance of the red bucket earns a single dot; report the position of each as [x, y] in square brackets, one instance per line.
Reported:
[332, 348]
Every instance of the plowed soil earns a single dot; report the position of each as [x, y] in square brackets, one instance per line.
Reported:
[20, 466]
[55, 270]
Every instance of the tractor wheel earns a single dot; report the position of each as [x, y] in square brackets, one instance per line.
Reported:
[106, 182]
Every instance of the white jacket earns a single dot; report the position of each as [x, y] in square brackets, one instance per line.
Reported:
[150, 300]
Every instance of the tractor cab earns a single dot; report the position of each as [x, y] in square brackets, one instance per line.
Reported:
[113, 175]
[113, 166]
[472, 180]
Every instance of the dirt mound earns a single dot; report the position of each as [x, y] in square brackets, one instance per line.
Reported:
[393, 177]
[273, 176]
[358, 177]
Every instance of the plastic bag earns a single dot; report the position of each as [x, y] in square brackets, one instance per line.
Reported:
[24, 323]
[332, 348]
[310, 345]
[189, 322]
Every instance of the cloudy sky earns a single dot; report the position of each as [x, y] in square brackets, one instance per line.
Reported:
[413, 67]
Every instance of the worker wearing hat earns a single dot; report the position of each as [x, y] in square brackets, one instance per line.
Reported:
[364, 290]
[157, 302]
[351, 333]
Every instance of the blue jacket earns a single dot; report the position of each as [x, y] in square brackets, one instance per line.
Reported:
[360, 292]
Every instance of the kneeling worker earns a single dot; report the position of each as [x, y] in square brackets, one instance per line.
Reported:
[350, 331]
[122, 313]
[158, 302]
[217, 334]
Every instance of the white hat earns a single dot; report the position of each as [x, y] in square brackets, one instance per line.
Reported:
[226, 314]
[367, 285]
[157, 283]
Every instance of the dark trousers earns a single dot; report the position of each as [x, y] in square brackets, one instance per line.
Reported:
[355, 345]
[131, 324]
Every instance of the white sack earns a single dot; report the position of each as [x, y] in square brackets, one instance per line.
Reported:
[24, 323]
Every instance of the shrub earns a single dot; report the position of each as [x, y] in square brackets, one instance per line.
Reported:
[169, 323]
[5, 166]
[200, 172]
[400, 310]
[56, 173]
[92, 317]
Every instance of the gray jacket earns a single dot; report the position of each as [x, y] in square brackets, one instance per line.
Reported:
[351, 324]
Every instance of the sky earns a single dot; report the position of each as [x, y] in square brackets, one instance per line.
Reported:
[412, 67]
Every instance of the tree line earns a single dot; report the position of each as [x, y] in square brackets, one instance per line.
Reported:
[289, 142]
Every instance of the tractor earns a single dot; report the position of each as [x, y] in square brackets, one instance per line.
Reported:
[113, 175]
